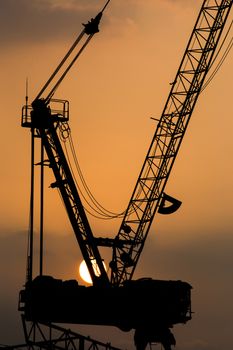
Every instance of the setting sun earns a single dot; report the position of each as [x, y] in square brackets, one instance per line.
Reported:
[84, 273]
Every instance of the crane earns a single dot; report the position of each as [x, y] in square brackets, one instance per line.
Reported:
[148, 196]
[118, 300]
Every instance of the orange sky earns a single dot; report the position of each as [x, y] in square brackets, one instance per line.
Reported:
[121, 80]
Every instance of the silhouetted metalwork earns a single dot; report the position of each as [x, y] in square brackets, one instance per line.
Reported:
[48, 124]
[127, 307]
[171, 127]
[90, 29]
[119, 301]
[46, 299]
[40, 336]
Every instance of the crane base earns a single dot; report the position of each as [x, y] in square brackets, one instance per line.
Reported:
[131, 306]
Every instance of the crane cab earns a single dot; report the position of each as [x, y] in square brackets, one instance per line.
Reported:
[39, 114]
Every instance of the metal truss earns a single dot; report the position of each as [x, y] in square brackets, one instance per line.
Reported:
[171, 127]
[47, 336]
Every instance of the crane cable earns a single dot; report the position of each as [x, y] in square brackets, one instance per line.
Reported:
[106, 212]
[222, 59]
[93, 204]
[98, 208]
[101, 212]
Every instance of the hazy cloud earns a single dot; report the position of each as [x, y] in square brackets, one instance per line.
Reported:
[26, 21]
[41, 20]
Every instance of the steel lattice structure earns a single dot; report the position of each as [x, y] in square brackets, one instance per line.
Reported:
[169, 300]
[40, 336]
[171, 127]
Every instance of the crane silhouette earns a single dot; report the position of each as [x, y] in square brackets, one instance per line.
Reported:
[121, 301]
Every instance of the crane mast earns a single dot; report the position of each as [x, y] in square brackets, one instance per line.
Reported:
[45, 117]
[48, 132]
[148, 196]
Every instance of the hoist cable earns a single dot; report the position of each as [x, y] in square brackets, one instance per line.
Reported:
[98, 208]
[85, 208]
[223, 41]
[222, 59]
[98, 212]
[71, 169]
[220, 63]
[107, 212]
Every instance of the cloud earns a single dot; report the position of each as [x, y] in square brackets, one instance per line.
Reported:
[41, 20]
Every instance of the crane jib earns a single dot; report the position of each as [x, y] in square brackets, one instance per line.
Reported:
[186, 87]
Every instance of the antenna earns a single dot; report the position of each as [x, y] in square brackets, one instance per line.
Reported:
[26, 96]
[108, 1]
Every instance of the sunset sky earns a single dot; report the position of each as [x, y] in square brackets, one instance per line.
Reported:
[121, 80]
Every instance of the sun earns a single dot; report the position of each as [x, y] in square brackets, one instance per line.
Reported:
[84, 273]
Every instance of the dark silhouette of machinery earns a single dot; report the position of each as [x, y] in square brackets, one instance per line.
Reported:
[118, 300]
[40, 335]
